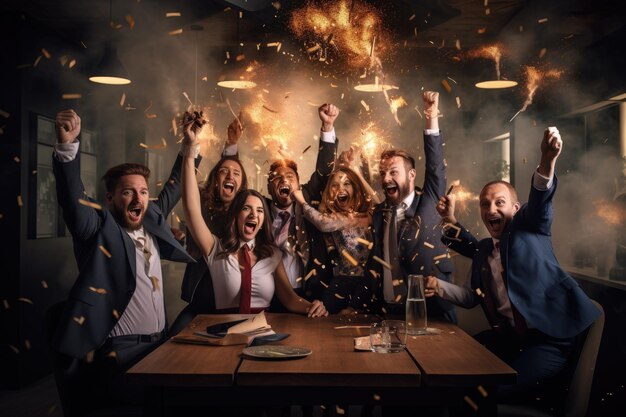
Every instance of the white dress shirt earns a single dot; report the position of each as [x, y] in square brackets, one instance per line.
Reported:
[226, 275]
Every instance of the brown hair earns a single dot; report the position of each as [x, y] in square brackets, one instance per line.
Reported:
[508, 185]
[209, 194]
[360, 202]
[114, 174]
[409, 162]
[282, 163]
[264, 240]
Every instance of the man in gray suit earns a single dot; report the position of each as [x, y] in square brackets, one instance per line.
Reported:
[115, 313]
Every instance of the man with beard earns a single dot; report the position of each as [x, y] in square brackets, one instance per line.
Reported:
[407, 234]
[115, 312]
[304, 251]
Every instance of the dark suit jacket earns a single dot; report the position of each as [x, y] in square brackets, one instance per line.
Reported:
[544, 294]
[303, 235]
[94, 228]
[419, 227]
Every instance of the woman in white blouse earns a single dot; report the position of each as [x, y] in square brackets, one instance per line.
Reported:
[244, 279]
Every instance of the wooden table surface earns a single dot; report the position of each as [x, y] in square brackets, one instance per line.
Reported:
[450, 359]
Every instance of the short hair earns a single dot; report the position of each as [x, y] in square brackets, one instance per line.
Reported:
[280, 163]
[409, 162]
[113, 175]
[508, 185]
[209, 193]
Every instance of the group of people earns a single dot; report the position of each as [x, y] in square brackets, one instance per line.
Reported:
[327, 246]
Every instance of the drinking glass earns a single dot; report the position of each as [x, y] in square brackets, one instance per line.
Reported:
[416, 317]
[388, 336]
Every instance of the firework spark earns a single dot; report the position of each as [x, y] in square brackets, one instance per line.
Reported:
[609, 212]
[493, 52]
[534, 78]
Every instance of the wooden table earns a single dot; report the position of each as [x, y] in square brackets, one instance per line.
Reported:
[434, 369]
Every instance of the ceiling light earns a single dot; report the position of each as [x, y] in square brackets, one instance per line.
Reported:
[495, 84]
[237, 84]
[110, 69]
[374, 88]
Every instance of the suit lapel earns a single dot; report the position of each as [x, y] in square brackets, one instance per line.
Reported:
[130, 251]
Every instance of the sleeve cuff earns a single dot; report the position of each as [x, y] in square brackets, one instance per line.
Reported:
[328, 136]
[432, 131]
[540, 182]
[230, 150]
[66, 152]
[190, 150]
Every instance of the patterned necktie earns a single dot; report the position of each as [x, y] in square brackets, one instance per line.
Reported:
[245, 265]
[399, 286]
[282, 230]
[141, 242]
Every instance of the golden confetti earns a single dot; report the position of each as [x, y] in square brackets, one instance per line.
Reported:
[172, 14]
[116, 314]
[340, 410]
[366, 242]
[471, 403]
[37, 61]
[429, 245]
[44, 284]
[89, 356]
[398, 298]
[324, 284]
[376, 397]
[349, 258]
[306, 149]
[25, 300]
[112, 354]
[71, 96]
[364, 104]
[90, 204]
[481, 31]
[106, 252]
[6, 304]
[16, 159]
[123, 100]
[339, 296]
[443, 256]
[27, 344]
[14, 349]
[480, 293]
[312, 273]
[175, 32]
[374, 273]
[446, 85]
[4, 114]
[482, 391]
[382, 262]
[80, 320]
[543, 20]
[45, 53]
[19, 201]
[396, 282]
[98, 290]
[542, 52]
[458, 102]
[72, 63]
[131, 21]
[156, 285]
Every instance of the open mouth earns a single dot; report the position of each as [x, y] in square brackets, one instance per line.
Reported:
[342, 198]
[229, 187]
[284, 191]
[495, 222]
[391, 189]
[249, 227]
[135, 213]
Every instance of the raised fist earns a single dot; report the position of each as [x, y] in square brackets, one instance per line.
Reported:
[67, 125]
[328, 113]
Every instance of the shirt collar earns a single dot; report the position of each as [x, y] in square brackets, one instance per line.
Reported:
[250, 244]
[409, 199]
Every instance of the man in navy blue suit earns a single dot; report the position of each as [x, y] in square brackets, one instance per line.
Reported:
[407, 233]
[115, 313]
[534, 307]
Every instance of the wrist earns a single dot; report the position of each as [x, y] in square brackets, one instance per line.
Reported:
[327, 127]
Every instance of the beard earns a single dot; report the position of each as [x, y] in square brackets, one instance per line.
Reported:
[121, 216]
[404, 190]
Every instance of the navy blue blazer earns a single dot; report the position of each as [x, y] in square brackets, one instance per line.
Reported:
[545, 295]
[419, 234]
[89, 317]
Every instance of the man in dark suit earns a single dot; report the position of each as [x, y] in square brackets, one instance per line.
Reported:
[407, 234]
[534, 307]
[304, 251]
[115, 313]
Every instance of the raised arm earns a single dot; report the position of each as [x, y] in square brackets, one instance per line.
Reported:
[233, 134]
[435, 175]
[191, 195]
[82, 220]
[537, 214]
[326, 154]
[290, 299]
[456, 237]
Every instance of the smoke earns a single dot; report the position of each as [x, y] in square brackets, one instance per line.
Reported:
[280, 114]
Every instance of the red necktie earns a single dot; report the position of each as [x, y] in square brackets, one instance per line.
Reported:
[246, 279]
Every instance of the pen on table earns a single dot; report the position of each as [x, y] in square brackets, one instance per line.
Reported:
[351, 327]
